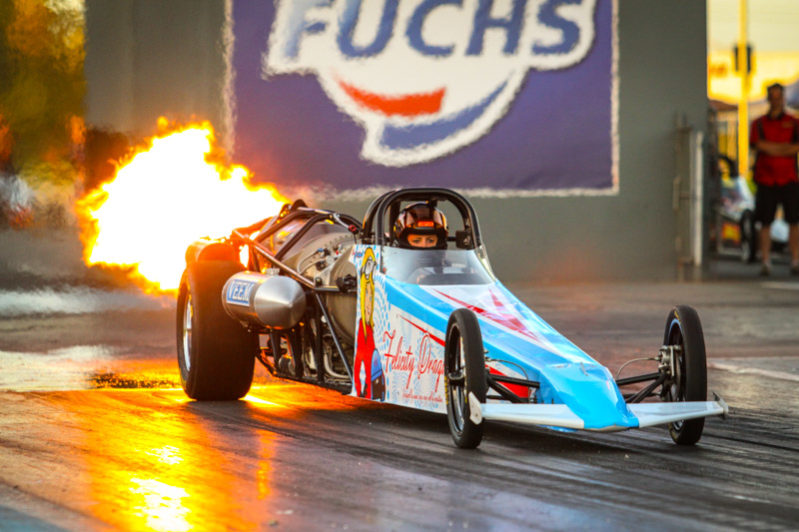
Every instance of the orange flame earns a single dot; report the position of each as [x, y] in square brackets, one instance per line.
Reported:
[163, 198]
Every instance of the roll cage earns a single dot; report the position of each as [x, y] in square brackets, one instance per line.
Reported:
[374, 230]
[257, 234]
[261, 257]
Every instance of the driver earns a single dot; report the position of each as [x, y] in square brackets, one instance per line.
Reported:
[421, 225]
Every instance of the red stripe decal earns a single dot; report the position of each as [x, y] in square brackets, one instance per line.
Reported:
[435, 338]
[405, 105]
[503, 317]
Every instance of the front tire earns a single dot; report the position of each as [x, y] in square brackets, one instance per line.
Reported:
[216, 354]
[689, 382]
[465, 373]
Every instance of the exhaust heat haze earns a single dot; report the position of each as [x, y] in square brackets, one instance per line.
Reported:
[164, 197]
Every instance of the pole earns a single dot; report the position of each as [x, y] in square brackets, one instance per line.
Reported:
[743, 100]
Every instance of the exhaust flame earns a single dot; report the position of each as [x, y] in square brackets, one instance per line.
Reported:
[165, 197]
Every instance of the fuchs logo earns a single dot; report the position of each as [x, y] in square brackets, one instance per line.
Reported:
[425, 77]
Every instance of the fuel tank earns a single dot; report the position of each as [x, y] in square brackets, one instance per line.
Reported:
[273, 301]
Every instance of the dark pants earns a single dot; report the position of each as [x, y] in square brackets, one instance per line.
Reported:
[768, 197]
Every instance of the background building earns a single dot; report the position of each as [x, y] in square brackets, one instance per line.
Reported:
[173, 59]
[774, 57]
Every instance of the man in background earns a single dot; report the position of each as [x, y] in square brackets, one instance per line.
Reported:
[775, 137]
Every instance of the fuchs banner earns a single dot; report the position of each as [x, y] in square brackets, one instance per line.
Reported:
[493, 96]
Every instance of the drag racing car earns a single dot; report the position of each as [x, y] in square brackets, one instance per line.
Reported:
[404, 308]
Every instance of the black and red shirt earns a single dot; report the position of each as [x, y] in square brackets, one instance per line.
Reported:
[774, 170]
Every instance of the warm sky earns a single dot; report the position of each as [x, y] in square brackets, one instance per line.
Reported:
[773, 24]
[774, 36]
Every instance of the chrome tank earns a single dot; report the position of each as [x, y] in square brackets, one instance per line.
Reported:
[273, 301]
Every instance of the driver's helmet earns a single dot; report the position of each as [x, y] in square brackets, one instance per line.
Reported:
[421, 225]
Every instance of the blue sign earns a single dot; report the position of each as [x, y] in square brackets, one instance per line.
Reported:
[507, 95]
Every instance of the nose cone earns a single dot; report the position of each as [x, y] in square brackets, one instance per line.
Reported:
[589, 391]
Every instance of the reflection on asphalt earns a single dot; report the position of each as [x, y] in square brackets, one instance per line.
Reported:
[298, 457]
[156, 460]
[60, 369]
[75, 300]
[77, 338]
[160, 471]
[83, 367]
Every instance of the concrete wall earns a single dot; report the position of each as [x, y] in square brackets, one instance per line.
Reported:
[150, 58]
[176, 68]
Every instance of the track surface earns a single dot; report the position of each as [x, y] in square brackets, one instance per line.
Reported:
[293, 456]
[302, 458]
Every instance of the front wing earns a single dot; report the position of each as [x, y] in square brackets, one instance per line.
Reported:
[561, 416]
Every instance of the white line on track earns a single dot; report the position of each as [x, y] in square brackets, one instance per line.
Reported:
[777, 285]
[754, 371]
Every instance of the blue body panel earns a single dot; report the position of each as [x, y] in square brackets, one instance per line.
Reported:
[514, 335]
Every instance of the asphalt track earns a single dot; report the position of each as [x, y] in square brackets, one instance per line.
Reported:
[95, 433]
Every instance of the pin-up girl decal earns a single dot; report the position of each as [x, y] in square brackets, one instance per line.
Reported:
[369, 380]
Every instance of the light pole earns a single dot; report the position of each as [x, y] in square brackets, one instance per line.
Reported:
[743, 101]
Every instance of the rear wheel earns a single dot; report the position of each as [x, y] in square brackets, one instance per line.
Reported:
[216, 354]
[688, 381]
[465, 374]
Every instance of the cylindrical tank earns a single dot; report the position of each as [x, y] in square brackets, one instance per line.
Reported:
[274, 301]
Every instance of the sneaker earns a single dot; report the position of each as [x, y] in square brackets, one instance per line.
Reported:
[765, 270]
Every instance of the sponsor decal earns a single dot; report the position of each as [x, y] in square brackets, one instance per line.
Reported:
[238, 292]
[425, 78]
[419, 358]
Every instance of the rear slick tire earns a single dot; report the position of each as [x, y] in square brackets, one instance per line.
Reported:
[684, 329]
[465, 374]
[216, 354]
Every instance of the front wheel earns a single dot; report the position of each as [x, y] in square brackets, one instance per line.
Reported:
[465, 374]
[216, 354]
[688, 379]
